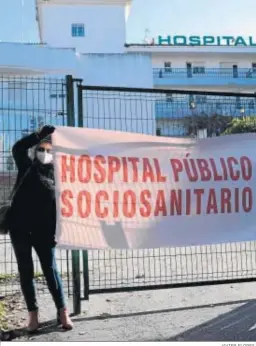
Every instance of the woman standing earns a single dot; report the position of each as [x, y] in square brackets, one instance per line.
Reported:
[32, 222]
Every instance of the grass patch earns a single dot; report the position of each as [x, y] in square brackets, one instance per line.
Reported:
[3, 321]
[38, 275]
[6, 277]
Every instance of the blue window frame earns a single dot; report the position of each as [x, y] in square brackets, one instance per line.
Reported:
[77, 30]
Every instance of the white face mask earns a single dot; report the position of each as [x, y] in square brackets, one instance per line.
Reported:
[44, 158]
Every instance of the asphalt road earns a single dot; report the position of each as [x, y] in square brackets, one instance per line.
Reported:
[213, 313]
[220, 313]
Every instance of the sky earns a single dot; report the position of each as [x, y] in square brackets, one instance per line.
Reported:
[160, 17]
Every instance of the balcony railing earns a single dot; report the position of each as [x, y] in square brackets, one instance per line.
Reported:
[175, 110]
[201, 72]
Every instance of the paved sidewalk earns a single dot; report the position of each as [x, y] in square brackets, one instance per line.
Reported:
[226, 312]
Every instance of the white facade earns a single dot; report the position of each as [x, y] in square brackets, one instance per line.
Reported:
[87, 39]
[204, 68]
[100, 56]
[104, 24]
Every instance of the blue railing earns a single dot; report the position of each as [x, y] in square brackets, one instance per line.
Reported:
[178, 110]
[201, 72]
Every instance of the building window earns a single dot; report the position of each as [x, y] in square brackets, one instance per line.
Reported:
[238, 103]
[191, 102]
[199, 70]
[169, 97]
[158, 132]
[218, 105]
[197, 67]
[167, 66]
[77, 30]
[201, 99]
[251, 104]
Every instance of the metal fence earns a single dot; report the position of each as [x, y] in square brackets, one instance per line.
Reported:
[27, 104]
[167, 113]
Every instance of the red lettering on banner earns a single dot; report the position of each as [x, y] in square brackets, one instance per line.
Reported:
[129, 204]
[100, 174]
[225, 201]
[66, 198]
[84, 204]
[159, 177]
[198, 193]
[134, 161]
[237, 200]
[247, 199]
[216, 175]
[84, 169]
[224, 169]
[67, 167]
[234, 175]
[204, 169]
[101, 213]
[212, 205]
[191, 169]
[176, 168]
[114, 165]
[160, 207]
[153, 199]
[115, 204]
[246, 167]
[148, 173]
[188, 202]
[145, 196]
[125, 170]
[176, 202]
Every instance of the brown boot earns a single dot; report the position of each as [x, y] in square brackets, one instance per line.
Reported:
[33, 323]
[64, 319]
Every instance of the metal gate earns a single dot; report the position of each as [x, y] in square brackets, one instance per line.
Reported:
[162, 113]
[27, 104]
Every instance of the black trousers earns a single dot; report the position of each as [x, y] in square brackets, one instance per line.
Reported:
[45, 250]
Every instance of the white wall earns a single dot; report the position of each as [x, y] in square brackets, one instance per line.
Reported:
[132, 112]
[104, 27]
[123, 111]
[121, 70]
[36, 59]
[130, 70]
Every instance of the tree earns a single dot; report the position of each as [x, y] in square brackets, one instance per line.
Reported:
[241, 125]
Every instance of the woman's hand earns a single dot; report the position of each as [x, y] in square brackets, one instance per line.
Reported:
[45, 131]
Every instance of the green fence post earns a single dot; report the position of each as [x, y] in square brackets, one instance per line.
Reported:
[86, 275]
[76, 282]
[70, 101]
[85, 253]
[80, 110]
[75, 253]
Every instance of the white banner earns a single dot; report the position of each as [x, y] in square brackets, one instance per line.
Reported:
[125, 190]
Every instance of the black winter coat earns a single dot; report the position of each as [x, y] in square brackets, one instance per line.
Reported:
[33, 209]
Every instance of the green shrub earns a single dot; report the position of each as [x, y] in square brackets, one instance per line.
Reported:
[241, 125]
